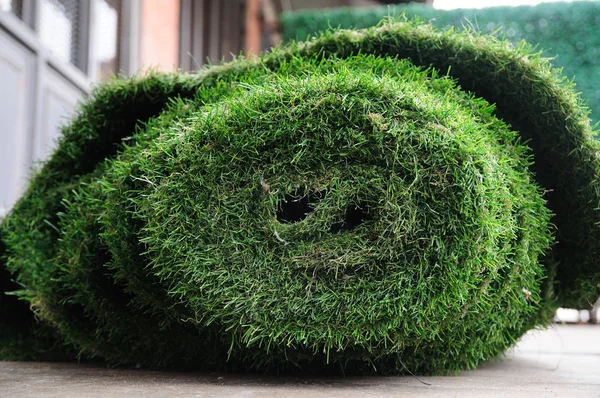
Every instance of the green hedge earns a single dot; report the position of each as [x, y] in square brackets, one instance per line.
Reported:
[334, 204]
[567, 32]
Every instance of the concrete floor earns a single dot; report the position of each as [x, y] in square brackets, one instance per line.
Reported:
[563, 361]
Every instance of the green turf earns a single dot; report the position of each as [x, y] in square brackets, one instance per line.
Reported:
[326, 206]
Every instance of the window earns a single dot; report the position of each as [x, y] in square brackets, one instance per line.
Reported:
[88, 34]
[60, 28]
[106, 34]
[12, 6]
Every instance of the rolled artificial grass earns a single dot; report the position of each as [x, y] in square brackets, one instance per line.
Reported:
[328, 205]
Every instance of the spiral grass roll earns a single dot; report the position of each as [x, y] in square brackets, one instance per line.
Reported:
[329, 205]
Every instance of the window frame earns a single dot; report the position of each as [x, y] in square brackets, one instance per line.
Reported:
[81, 73]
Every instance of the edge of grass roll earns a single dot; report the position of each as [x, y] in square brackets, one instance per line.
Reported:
[139, 178]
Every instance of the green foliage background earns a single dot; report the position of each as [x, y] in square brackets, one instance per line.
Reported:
[567, 32]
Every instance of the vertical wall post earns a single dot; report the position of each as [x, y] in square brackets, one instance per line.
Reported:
[253, 32]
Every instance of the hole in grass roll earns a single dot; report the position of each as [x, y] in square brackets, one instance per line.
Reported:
[355, 216]
[296, 206]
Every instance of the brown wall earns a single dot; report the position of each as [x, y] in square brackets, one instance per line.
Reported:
[159, 34]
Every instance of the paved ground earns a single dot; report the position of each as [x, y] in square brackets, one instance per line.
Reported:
[560, 362]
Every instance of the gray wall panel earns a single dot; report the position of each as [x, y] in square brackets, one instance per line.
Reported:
[17, 66]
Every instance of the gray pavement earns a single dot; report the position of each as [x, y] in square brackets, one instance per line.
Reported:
[563, 361]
